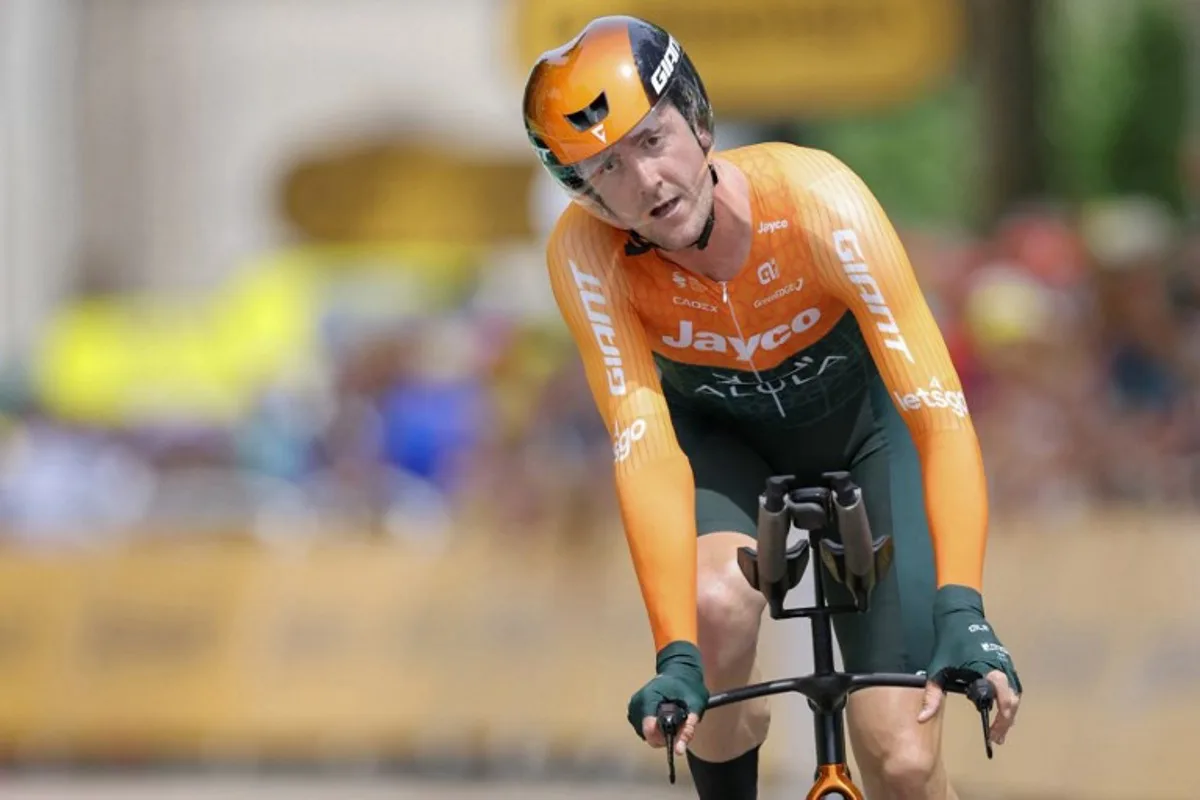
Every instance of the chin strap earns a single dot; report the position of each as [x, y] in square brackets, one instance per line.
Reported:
[638, 244]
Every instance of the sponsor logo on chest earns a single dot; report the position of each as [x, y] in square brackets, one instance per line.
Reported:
[689, 338]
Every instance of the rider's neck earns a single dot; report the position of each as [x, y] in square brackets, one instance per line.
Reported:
[730, 241]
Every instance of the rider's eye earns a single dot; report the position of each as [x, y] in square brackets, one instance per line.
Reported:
[653, 140]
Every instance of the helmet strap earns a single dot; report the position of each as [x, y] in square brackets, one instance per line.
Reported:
[702, 241]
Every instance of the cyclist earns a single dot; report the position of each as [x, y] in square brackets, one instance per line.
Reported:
[742, 314]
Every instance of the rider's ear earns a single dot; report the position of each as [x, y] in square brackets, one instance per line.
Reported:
[706, 140]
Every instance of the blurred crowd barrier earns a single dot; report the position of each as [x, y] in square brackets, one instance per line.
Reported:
[354, 650]
[510, 655]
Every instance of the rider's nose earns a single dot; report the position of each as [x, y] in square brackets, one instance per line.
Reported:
[647, 175]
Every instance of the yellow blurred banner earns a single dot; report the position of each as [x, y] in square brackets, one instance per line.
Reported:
[410, 192]
[779, 57]
[143, 358]
[519, 648]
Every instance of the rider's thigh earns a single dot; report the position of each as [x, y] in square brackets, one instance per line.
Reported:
[896, 633]
[891, 748]
[729, 474]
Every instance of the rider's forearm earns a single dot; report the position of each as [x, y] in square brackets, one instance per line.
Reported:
[658, 509]
[956, 504]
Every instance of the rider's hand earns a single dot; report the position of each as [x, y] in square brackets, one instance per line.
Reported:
[680, 679]
[966, 647]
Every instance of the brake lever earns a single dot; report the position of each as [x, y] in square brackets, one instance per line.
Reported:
[671, 718]
[981, 693]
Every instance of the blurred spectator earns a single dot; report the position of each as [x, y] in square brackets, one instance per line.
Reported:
[1076, 333]
[435, 414]
[67, 485]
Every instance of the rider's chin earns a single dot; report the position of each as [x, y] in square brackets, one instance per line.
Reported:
[675, 234]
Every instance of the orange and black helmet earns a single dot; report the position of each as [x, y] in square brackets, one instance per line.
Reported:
[582, 97]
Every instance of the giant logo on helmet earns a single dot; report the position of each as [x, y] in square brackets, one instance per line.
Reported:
[666, 67]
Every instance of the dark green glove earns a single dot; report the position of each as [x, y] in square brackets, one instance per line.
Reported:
[680, 680]
[965, 645]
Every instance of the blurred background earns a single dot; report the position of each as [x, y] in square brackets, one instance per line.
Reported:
[302, 491]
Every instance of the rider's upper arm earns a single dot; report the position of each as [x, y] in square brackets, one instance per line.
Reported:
[861, 260]
[612, 344]
[653, 477]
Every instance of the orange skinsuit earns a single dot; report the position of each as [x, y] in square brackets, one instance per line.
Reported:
[822, 247]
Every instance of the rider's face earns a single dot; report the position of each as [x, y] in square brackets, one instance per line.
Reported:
[655, 180]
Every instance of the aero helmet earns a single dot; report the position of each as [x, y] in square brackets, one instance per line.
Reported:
[583, 97]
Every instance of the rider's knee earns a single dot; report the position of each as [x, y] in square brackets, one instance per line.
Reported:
[909, 766]
[726, 605]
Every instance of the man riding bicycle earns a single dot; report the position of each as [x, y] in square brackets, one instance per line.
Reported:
[744, 314]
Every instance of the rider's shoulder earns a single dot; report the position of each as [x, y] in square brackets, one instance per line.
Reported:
[807, 167]
[814, 178]
[582, 238]
[810, 175]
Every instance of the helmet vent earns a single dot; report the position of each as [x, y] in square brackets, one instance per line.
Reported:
[587, 118]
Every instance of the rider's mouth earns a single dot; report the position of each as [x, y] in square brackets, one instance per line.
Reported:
[663, 209]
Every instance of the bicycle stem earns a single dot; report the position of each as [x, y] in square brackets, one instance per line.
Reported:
[827, 723]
